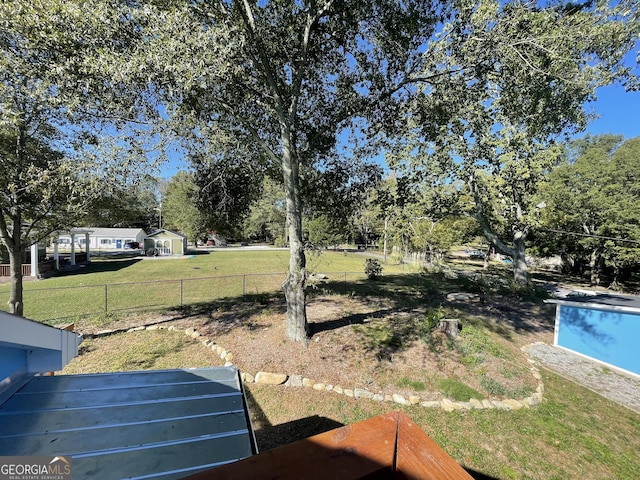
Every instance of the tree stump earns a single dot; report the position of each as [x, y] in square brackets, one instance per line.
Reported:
[450, 326]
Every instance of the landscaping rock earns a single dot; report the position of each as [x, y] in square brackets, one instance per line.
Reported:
[397, 398]
[487, 403]
[269, 378]
[338, 389]
[463, 297]
[513, 404]
[348, 392]
[477, 404]
[500, 405]
[447, 405]
[414, 399]
[307, 382]
[362, 393]
[430, 404]
[294, 381]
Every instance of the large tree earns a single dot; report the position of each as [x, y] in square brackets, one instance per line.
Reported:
[53, 91]
[589, 205]
[180, 207]
[269, 86]
[126, 205]
[266, 219]
[518, 77]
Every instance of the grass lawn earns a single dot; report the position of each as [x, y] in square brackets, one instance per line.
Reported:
[574, 433]
[118, 282]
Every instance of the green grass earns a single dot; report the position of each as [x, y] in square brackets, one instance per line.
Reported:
[574, 433]
[455, 390]
[112, 284]
[415, 385]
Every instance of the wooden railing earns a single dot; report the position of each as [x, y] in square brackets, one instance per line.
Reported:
[46, 266]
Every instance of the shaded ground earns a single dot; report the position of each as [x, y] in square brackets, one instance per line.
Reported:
[374, 344]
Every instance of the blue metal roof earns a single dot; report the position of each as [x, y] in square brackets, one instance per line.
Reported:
[151, 424]
[591, 299]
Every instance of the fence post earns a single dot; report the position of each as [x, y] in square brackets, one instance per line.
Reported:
[181, 291]
[106, 298]
[244, 285]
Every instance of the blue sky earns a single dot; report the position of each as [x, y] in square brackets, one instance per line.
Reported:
[619, 112]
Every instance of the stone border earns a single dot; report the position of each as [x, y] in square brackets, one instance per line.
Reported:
[293, 380]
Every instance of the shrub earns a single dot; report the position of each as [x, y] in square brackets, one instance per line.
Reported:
[372, 268]
[432, 318]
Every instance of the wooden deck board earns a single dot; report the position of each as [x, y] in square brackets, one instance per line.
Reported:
[388, 446]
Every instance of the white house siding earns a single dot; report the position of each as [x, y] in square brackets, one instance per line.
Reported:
[104, 238]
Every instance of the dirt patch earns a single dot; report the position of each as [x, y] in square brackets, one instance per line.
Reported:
[372, 344]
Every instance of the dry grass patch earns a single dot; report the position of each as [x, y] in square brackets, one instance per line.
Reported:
[141, 350]
[574, 433]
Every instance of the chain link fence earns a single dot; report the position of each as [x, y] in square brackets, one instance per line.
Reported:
[60, 303]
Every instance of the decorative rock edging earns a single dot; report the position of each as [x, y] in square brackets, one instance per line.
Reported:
[297, 381]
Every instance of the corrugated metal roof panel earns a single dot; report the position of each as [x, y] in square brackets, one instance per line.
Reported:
[153, 424]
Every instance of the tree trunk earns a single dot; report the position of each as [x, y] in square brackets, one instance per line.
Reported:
[520, 269]
[15, 265]
[450, 326]
[293, 286]
[615, 284]
[386, 224]
[594, 266]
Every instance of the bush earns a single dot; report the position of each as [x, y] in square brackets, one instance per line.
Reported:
[372, 268]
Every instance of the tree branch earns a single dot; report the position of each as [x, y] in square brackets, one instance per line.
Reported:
[484, 224]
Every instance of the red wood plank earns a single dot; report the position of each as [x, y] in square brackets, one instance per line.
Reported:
[420, 458]
[363, 450]
[389, 446]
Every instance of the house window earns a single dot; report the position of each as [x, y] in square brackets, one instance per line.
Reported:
[105, 241]
[159, 243]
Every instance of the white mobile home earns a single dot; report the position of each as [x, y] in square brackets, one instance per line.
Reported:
[103, 238]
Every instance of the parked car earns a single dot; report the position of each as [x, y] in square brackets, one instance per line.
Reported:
[475, 253]
[131, 246]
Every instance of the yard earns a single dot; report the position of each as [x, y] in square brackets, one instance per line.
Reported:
[375, 336]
